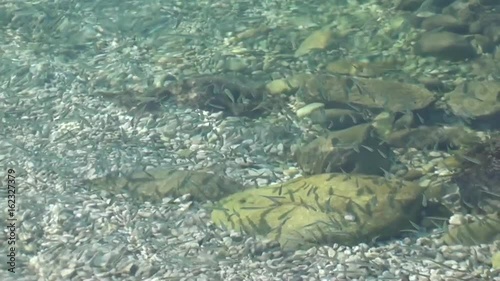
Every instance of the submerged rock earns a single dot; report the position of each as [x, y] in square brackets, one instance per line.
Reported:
[353, 150]
[475, 99]
[444, 23]
[217, 93]
[153, 185]
[319, 39]
[362, 68]
[482, 231]
[431, 7]
[479, 178]
[337, 118]
[409, 5]
[445, 45]
[323, 209]
[228, 94]
[495, 261]
[368, 93]
[431, 137]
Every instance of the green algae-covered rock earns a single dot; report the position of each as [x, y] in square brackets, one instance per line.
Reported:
[482, 231]
[325, 208]
[155, 184]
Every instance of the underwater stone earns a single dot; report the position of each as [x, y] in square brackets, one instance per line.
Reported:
[311, 211]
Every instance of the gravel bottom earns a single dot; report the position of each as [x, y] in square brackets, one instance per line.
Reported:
[56, 134]
[55, 138]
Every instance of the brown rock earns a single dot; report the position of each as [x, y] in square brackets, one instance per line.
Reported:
[444, 23]
[484, 21]
[362, 69]
[356, 149]
[475, 99]
[444, 45]
[317, 40]
[369, 93]
[409, 5]
[337, 118]
[231, 95]
[493, 32]
[479, 176]
[483, 43]
[488, 2]
[432, 84]
[425, 137]
[153, 185]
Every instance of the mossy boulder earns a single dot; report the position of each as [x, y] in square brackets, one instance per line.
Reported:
[153, 185]
[322, 209]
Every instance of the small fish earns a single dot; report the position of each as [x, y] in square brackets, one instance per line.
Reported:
[228, 93]
[214, 105]
[330, 191]
[254, 226]
[367, 148]
[285, 214]
[279, 189]
[342, 119]
[353, 107]
[292, 198]
[328, 208]
[491, 193]
[312, 190]
[470, 159]
[253, 208]
[328, 168]
[387, 174]
[274, 199]
[381, 153]
[371, 192]
[420, 118]
[353, 118]
[307, 206]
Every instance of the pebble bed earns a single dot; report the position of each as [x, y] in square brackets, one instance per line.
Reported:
[55, 133]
